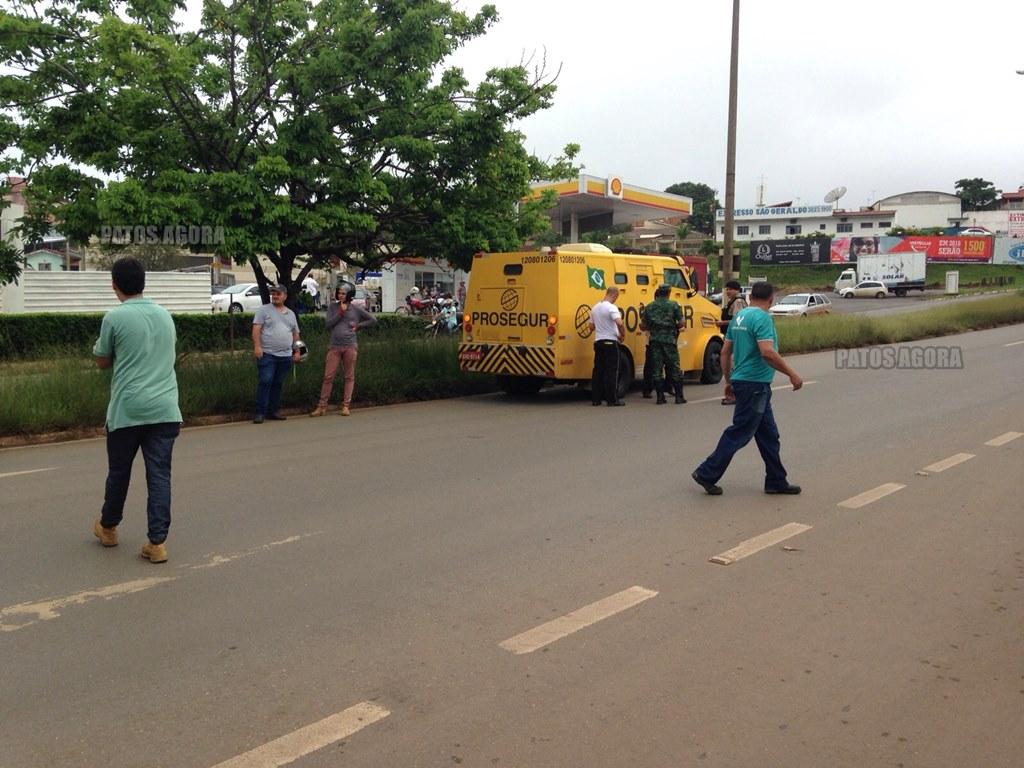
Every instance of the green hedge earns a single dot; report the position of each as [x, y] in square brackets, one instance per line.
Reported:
[47, 334]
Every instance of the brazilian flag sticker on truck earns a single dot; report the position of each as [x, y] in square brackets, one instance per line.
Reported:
[595, 278]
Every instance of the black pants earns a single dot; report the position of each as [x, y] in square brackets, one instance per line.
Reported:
[157, 443]
[604, 382]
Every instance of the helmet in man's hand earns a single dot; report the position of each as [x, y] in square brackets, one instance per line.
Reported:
[300, 347]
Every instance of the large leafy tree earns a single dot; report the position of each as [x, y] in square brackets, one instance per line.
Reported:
[702, 217]
[309, 131]
[976, 194]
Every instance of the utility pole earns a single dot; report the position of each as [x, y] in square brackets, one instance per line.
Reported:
[730, 152]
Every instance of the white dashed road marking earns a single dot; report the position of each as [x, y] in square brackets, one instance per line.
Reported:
[27, 472]
[26, 614]
[863, 499]
[952, 461]
[1014, 344]
[302, 742]
[547, 633]
[1004, 438]
[756, 544]
[23, 615]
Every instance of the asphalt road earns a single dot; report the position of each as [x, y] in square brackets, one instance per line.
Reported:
[486, 582]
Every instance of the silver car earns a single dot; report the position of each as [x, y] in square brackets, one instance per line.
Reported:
[865, 289]
[802, 305]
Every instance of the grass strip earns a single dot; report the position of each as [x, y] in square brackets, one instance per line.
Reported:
[834, 331]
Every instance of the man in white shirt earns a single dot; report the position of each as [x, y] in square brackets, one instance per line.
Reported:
[310, 286]
[609, 332]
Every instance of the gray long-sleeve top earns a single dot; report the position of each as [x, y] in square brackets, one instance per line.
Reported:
[340, 324]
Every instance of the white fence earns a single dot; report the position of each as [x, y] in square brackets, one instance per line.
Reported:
[91, 292]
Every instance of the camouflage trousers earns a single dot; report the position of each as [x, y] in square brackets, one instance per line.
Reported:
[663, 357]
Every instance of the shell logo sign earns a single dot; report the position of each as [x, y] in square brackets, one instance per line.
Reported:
[613, 187]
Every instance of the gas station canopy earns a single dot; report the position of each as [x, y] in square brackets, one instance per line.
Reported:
[591, 202]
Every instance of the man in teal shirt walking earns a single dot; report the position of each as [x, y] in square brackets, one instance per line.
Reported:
[137, 339]
[752, 343]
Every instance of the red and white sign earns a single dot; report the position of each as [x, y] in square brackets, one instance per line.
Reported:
[948, 249]
[1015, 228]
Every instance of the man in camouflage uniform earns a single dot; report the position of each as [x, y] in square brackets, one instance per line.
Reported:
[663, 318]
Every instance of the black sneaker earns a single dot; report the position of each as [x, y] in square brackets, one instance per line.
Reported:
[257, 419]
[617, 402]
[711, 488]
[277, 417]
[788, 490]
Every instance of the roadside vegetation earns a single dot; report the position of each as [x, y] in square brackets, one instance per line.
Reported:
[812, 334]
[794, 278]
[67, 394]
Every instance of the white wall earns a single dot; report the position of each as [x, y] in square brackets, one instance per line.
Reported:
[925, 216]
[398, 279]
[91, 292]
[997, 222]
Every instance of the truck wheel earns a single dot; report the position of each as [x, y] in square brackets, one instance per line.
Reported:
[520, 386]
[711, 373]
[626, 374]
[901, 294]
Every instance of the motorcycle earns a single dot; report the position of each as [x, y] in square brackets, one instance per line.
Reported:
[446, 321]
[415, 305]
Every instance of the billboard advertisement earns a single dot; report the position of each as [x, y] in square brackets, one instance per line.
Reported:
[976, 250]
[774, 252]
[1015, 226]
[845, 250]
[1008, 250]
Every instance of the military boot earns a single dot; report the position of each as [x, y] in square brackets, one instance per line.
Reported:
[660, 389]
[679, 392]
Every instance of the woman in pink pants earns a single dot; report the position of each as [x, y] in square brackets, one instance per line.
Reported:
[343, 322]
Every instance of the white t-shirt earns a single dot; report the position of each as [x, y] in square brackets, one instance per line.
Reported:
[310, 286]
[603, 315]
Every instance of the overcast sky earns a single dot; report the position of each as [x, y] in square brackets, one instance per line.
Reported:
[880, 96]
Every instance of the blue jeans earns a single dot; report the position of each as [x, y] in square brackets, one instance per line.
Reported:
[752, 418]
[157, 442]
[272, 370]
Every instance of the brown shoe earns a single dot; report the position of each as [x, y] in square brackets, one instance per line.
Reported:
[155, 553]
[107, 536]
[320, 410]
[345, 411]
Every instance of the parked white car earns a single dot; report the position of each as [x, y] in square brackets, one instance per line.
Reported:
[974, 232]
[802, 305]
[865, 289]
[244, 297]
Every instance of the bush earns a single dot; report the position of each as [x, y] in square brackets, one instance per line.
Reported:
[33, 336]
[71, 393]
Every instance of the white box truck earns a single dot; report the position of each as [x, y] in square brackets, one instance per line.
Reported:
[901, 272]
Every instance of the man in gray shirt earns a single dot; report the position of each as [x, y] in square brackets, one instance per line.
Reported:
[275, 330]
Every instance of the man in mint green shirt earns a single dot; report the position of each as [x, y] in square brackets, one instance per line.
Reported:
[750, 358]
[137, 339]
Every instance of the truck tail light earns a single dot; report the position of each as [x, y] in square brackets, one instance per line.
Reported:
[551, 330]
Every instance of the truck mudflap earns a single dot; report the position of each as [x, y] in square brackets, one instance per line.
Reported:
[508, 359]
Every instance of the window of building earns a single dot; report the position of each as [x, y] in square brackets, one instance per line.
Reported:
[866, 225]
[643, 280]
[722, 230]
[844, 227]
[45, 266]
[821, 227]
[884, 224]
[743, 229]
[794, 229]
[621, 278]
[764, 229]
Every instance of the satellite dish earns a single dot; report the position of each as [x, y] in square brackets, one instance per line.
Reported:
[835, 194]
